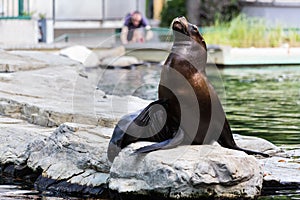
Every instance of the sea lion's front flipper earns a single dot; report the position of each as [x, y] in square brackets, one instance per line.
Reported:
[145, 124]
[167, 144]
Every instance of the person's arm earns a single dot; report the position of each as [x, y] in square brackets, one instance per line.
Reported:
[124, 34]
[149, 33]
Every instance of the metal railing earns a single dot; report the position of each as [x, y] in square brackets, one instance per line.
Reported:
[14, 9]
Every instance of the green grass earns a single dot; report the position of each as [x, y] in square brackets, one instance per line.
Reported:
[244, 31]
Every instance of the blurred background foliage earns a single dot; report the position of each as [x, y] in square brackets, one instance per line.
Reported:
[200, 12]
[171, 10]
[222, 23]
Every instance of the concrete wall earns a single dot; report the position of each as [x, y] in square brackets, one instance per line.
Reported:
[286, 16]
[42, 7]
[18, 32]
[117, 9]
[104, 38]
[96, 9]
[78, 10]
[49, 31]
[26, 31]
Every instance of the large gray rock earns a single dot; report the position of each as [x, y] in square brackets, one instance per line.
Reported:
[282, 169]
[187, 172]
[58, 94]
[50, 59]
[11, 62]
[16, 137]
[256, 144]
[73, 153]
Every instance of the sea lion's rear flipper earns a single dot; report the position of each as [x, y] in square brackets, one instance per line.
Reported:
[119, 136]
[250, 152]
[167, 144]
[145, 124]
[226, 140]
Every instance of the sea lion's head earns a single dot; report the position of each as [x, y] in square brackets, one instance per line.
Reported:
[185, 31]
[189, 43]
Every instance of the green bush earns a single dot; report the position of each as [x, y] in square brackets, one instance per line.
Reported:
[172, 9]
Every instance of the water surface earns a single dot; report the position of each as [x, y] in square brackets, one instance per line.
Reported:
[264, 102]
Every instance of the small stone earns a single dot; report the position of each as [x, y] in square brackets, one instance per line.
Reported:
[121, 61]
[81, 54]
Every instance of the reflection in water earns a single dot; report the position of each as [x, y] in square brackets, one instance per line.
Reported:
[140, 81]
[10, 192]
[263, 102]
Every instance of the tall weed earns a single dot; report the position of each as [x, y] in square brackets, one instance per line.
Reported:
[245, 31]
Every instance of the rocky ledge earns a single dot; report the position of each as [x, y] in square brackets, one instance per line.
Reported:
[55, 127]
[187, 171]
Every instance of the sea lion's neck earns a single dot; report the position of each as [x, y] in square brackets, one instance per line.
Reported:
[181, 48]
[192, 52]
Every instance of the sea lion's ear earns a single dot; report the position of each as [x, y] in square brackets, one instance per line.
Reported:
[204, 44]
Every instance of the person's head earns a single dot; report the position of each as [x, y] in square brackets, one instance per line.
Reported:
[136, 18]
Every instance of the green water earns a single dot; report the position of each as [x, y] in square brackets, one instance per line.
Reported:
[262, 102]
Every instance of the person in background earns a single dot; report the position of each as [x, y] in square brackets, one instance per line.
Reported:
[135, 29]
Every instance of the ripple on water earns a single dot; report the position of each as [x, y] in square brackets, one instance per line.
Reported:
[267, 106]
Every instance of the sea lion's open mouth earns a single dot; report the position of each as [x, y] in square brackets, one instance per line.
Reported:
[179, 24]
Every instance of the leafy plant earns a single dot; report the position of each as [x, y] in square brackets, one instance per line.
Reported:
[28, 14]
[42, 15]
[172, 9]
[245, 31]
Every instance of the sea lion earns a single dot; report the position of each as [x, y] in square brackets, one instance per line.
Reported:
[188, 110]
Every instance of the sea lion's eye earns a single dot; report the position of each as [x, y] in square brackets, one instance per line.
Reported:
[195, 28]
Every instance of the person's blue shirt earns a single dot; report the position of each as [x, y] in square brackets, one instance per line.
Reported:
[128, 22]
